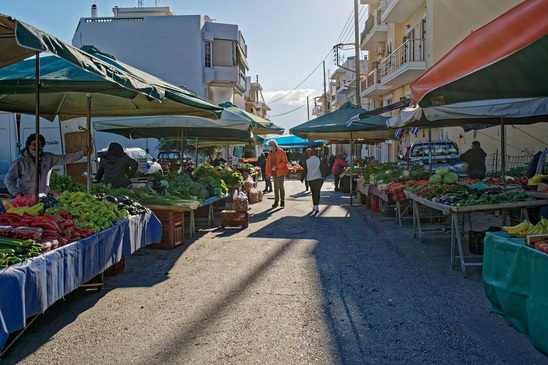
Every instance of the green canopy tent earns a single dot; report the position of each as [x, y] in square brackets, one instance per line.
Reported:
[70, 91]
[258, 125]
[334, 126]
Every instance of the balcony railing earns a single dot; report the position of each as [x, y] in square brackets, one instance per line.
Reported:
[373, 20]
[410, 51]
[369, 80]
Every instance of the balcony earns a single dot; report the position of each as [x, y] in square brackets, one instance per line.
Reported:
[396, 11]
[375, 31]
[370, 86]
[224, 75]
[404, 65]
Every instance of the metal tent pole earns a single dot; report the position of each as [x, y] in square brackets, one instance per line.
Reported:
[37, 129]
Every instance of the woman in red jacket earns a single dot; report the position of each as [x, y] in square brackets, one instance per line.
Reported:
[276, 167]
[338, 166]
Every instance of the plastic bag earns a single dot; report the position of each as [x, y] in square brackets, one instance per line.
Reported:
[253, 196]
[241, 202]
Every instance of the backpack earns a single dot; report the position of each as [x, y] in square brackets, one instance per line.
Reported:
[325, 170]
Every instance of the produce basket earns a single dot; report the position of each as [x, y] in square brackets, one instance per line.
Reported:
[172, 219]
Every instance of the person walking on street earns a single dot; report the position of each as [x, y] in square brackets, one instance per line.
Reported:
[116, 168]
[302, 162]
[313, 174]
[276, 167]
[20, 178]
[338, 166]
[261, 161]
[475, 157]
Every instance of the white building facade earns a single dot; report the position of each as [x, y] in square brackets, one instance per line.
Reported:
[190, 51]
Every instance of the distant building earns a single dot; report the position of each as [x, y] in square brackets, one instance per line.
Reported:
[191, 51]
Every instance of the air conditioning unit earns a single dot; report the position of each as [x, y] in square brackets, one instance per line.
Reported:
[381, 48]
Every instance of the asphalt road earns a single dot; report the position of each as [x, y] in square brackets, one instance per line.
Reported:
[347, 286]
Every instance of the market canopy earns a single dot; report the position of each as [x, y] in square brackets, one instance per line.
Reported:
[174, 127]
[505, 59]
[291, 141]
[333, 126]
[65, 89]
[258, 125]
[513, 111]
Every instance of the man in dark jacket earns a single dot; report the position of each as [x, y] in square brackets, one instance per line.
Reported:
[116, 168]
[475, 157]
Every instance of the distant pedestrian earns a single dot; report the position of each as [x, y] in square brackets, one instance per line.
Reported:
[302, 162]
[313, 174]
[338, 166]
[276, 167]
[261, 161]
[116, 168]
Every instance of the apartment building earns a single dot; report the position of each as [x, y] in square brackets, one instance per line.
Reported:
[404, 38]
[190, 51]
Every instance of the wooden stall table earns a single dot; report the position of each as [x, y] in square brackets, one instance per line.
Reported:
[514, 279]
[454, 212]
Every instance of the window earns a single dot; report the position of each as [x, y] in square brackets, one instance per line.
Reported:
[207, 54]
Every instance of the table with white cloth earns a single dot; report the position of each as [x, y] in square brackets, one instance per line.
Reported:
[28, 288]
[454, 213]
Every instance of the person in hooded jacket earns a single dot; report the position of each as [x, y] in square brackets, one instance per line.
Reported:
[116, 168]
[20, 178]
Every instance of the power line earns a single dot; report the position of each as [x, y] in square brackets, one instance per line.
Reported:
[291, 111]
[302, 82]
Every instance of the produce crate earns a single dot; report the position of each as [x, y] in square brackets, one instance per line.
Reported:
[361, 197]
[172, 219]
[171, 238]
[374, 203]
[475, 240]
[232, 218]
[116, 268]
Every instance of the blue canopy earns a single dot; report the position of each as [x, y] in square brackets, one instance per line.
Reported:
[291, 141]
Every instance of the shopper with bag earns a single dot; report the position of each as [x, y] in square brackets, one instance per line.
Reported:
[313, 175]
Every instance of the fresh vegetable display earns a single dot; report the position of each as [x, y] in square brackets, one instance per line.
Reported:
[14, 250]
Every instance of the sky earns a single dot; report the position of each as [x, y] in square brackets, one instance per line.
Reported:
[287, 40]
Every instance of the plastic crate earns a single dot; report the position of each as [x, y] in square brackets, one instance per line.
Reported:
[169, 217]
[374, 203]
[475, 240]
[232, 218]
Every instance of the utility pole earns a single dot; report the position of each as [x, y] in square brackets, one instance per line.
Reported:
[357, 53]
[324, 109]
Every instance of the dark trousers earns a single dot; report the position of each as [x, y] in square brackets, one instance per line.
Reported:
[279, 191]
[267, 181]
[336, 181]
[315, 189]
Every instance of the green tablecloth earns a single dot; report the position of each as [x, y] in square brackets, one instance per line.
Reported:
[515, 278]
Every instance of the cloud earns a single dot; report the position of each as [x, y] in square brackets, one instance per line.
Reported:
[289, 97]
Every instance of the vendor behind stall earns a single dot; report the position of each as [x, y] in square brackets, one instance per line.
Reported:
[475, 157]
[20, 178]
[116, 168]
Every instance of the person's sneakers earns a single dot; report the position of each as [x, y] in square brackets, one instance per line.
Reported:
[265, 191]
[275, 205]
[316, 208]
[337, 189]
[282, 205]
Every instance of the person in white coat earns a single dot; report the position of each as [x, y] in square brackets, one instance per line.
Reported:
[313, 175]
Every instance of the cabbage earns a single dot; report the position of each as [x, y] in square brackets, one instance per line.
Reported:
[450, 178]
[435, 179]
[442, 171]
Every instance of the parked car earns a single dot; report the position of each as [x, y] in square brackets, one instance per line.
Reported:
[444, 153]
[170, 161]
[147, 164]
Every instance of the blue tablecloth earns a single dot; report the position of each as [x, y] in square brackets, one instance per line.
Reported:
[30, 287]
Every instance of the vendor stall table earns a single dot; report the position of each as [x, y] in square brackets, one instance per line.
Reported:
[30, 287]
[191, 211]
[514, 278]
[455, 225]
